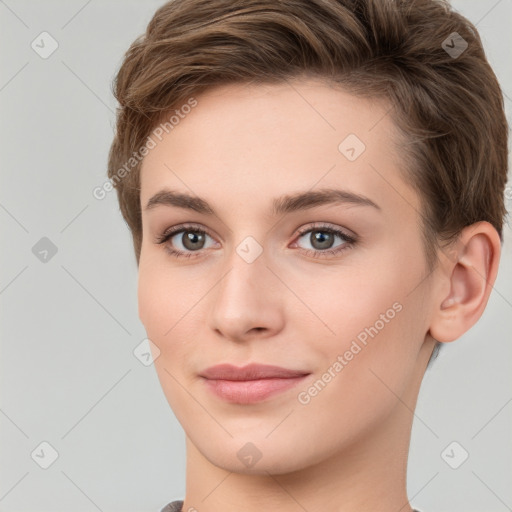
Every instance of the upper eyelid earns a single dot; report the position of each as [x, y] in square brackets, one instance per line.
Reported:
[174, 230]
[328, 227]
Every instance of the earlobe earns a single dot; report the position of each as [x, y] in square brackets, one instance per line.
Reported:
[471, 271]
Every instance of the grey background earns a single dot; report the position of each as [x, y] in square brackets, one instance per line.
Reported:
[69, 326]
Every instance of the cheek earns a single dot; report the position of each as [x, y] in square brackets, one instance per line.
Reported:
[169, 309]
[362, 370]
[376, 312]
[158, 301]
[354, 301]
[163, 306]
[149, 297]
[160, 292]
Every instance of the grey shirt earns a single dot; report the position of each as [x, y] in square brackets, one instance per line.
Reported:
[175, 506]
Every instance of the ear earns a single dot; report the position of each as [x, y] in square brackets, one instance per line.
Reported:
[469, 269]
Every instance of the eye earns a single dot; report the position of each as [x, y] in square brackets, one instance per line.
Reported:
[187, 239]
[322, 238]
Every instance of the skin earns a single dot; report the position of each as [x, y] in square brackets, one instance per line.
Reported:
[346, 449]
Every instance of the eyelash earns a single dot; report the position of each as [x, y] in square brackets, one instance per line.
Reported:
[315, 253]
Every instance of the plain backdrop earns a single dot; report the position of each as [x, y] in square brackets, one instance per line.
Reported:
[68, 281]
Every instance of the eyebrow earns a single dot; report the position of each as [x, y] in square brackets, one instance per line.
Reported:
[281, 205]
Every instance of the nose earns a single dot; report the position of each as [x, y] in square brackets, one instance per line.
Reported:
[247, 302]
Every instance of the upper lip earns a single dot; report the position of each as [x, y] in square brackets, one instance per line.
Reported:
[251, 371]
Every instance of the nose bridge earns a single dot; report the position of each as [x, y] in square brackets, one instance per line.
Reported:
[241, 286]
[245, 297]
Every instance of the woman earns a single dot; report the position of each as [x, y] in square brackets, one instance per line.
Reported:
[310, 224]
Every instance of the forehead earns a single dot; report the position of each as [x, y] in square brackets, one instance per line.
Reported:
[256, 113]
[262, 140]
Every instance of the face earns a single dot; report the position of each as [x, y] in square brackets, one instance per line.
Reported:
[272, 268]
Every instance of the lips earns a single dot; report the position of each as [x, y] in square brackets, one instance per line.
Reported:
[251, 383]
[250, 372]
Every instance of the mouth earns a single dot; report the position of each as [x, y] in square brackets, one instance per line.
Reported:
[250, 384]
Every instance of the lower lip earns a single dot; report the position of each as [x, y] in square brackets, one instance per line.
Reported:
[251, 391]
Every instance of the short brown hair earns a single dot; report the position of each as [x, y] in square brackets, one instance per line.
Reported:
[449, 107]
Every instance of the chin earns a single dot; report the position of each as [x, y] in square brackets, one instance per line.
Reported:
[258, 455]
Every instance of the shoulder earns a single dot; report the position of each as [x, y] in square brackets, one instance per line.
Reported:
[174, 506]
